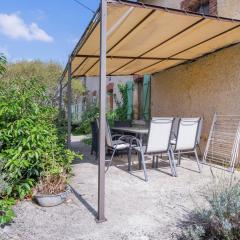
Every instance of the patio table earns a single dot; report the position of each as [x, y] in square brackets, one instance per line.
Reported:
[138, 131]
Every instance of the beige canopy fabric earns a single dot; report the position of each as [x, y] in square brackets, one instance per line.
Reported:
[145, 39]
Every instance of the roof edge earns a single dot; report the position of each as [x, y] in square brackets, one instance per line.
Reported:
[96, 18]
[174, 10]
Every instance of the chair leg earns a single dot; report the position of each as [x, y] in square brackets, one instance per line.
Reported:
[139, 160]
[171, 164]
[96, 157]
[157, 161]
[153, 161]
[144, 166]
[129, 160]
[198, 163]
[174, 163]
[179, 158]
[199, 150]
[110, 162]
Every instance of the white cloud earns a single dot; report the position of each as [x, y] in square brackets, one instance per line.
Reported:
[5, 51]
[14, 27]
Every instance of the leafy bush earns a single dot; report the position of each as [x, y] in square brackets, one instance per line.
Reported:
[91, 113]
[6, 211]
[46, 74]
[32, 144]
[87, 141]
[2, 64]
[220, 221]
[29, 135]
[112, 117]
[122, 104]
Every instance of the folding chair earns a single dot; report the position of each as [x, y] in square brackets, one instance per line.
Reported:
[119, 144]
[158, 142]
[187, 138]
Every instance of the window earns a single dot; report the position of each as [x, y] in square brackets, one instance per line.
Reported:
[203, 8]
[206, 7]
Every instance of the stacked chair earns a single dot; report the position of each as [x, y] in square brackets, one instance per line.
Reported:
[188, 137]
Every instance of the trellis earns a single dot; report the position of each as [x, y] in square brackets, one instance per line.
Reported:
[223, 142]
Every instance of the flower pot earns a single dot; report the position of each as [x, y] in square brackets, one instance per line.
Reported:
[51, 200]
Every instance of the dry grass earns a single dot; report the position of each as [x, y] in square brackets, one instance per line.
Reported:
[52, 184]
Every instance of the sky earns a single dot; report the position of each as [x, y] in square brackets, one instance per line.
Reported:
[44, 30]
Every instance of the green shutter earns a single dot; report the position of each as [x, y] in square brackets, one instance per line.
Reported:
[146, 96]
[130, 100]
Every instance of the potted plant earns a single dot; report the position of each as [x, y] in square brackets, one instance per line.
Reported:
[52, 189]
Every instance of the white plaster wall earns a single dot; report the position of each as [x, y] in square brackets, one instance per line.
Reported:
[229, 8]
[211, 84]
[164, 3]
[225, 8]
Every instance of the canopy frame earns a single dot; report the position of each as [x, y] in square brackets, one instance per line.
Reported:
[100, 18]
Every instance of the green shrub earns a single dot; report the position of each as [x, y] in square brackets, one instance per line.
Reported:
[2, 64]
[87, 141]
[220, 221]
[91, 113]
[6, 212]
[32, 144]
[122, 104]
[111, 117]
[27, 133]
[46, 73]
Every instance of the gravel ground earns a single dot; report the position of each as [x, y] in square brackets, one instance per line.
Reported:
[135, 210]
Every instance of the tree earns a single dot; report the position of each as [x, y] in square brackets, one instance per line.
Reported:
[46, 74]
[2, 64]
[78, 90]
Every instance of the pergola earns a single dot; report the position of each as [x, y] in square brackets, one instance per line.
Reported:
[128, 38]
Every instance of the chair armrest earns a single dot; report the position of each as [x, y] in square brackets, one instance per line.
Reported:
[136, 141]
[125, 137]
[116, 136]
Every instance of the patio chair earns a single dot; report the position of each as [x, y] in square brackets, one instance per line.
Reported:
[187, 138]
[158, 142]
[116, 142]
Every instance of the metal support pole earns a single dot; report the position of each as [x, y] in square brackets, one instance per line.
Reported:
[102, 116]
[69, 98]
[85, 95]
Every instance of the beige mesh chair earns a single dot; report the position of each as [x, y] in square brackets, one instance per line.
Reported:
[187, 138]
[158, 142]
